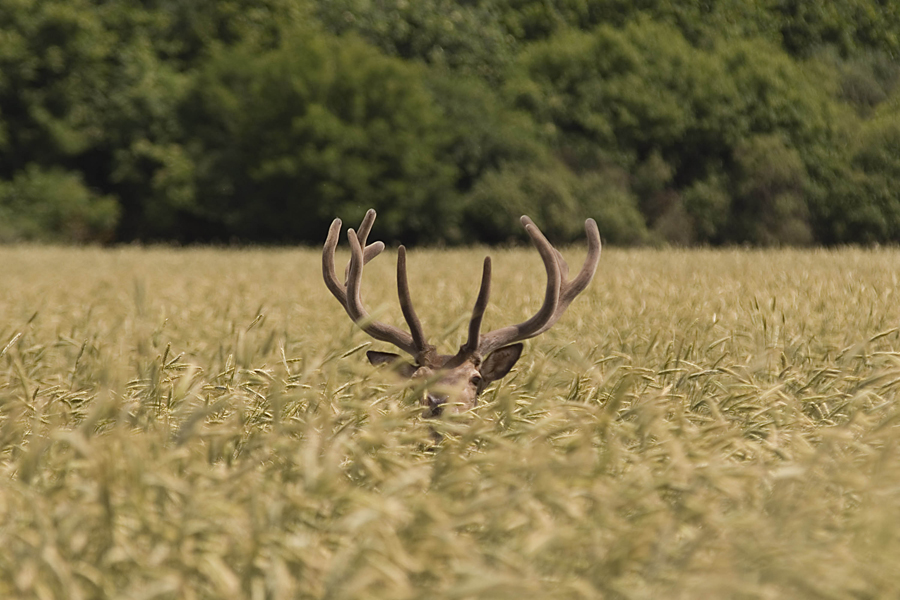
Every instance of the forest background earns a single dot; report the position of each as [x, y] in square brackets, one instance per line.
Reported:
[765, 122]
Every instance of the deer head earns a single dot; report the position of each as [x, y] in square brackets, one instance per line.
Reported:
[453, 382]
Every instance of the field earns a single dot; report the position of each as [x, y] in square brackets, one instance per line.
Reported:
[192, 424]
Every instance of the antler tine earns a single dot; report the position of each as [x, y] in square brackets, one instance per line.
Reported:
[373, 249]
[406, 305]
[331, 281]
[559, 294]
[472, 343]
[584, 277]
[349, 294]
[337, 289]
[365, 227]
[570, 289]
[357, 312]
[567, 290]
[481, 302]
[530, 328]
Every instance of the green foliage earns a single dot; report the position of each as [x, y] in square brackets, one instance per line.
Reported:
[699, 130]
[769, 194]
[84, 89]
[849, 25]
[629, 93]
[860, 202]
[187, 31]
[557, 199]
[701, 22]
[261, 120]
[483, 132]
[605, 196]
[708, 203]
[463, 37]
[878, 158]
[866, 79]
[54, 206]
[799, 26]
[318, 127]
[778, 94]
[55, 75]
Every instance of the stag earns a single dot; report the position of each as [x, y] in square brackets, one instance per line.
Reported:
[453, 382]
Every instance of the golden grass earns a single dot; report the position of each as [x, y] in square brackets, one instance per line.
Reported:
[203, 424]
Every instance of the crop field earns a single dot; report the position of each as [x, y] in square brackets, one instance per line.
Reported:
[203, 423]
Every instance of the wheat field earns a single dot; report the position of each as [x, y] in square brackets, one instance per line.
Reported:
[202, 423]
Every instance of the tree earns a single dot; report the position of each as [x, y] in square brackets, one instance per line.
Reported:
[285, 139]
[466, 38]
[53, 205]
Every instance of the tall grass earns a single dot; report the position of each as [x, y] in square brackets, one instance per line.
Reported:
[203, 424]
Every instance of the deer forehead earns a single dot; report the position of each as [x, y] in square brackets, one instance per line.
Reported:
[460, 373]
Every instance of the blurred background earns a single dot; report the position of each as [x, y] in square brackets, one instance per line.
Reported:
[683, 122]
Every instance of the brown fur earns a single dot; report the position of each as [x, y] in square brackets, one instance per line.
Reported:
[455, 388]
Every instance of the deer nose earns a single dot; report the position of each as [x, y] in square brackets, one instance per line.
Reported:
[435, 404]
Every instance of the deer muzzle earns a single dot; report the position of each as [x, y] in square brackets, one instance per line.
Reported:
[434, 404]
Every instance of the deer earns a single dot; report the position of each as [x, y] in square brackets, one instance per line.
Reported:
[453, 382]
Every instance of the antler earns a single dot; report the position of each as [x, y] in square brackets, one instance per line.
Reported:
[558, 296]
[560, 293]
[349, 296]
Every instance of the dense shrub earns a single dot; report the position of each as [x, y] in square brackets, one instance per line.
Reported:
[708, 204]
[555, 197]
[55, 73]
[484, 133]
[464, 37]
[769, 193]
[54, 206]
[849, 25]
[799, 26]
[879, 158]
[865, 204]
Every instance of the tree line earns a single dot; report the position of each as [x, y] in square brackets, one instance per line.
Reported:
[761, 122]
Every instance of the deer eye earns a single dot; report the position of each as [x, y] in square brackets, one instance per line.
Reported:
[476, 380]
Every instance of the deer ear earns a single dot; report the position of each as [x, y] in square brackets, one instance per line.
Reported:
[500, 361]
[395, 360]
